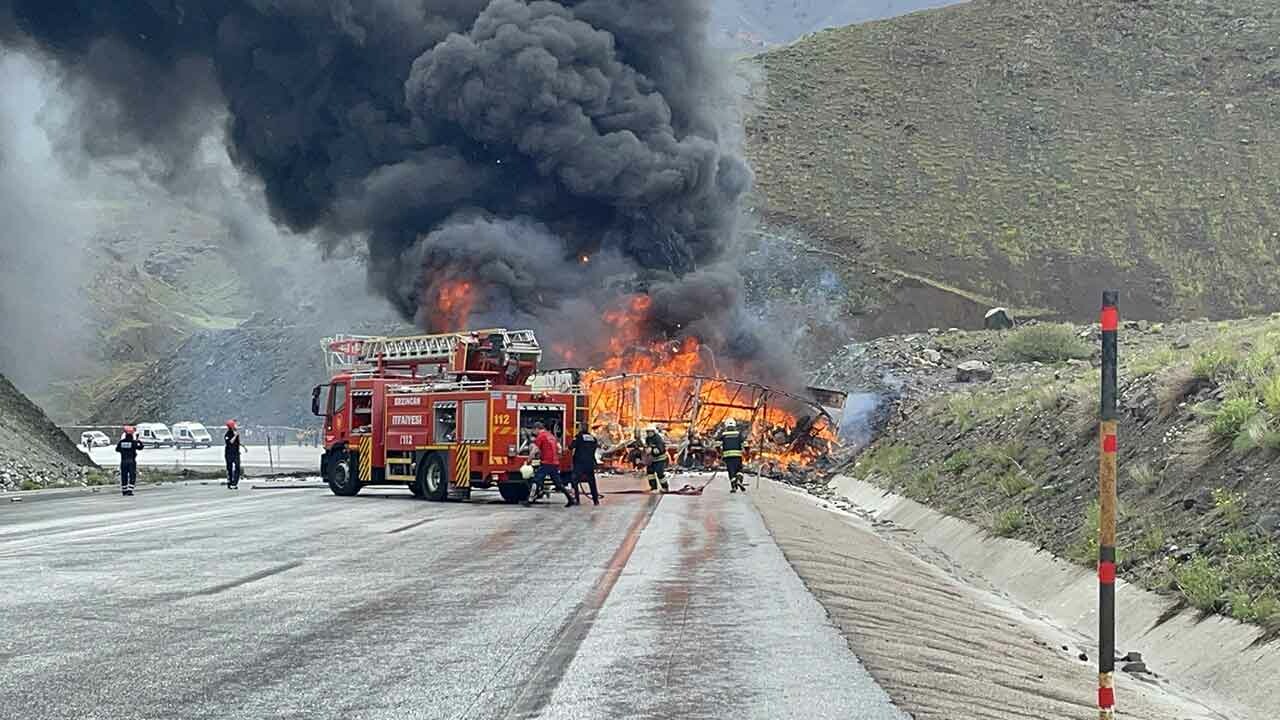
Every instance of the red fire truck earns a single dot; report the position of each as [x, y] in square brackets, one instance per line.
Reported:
[442, 414]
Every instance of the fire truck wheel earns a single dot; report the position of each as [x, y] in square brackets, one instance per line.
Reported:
[433, 478]
[416, 490]
[341, 480]
[513, 492]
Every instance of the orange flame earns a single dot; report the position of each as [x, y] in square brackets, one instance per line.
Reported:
[454, 301]
[682, 389]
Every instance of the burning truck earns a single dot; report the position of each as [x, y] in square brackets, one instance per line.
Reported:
[447, 413]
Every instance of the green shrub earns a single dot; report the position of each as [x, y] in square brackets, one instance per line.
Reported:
[1209, 364]
[1237, 542]
[1271, 395]
[964, 412]
[1258, 567]
[1201, 584]
[1050, 343]
[1013, 483]
[1085, 549]
[1229, 420]
[1008, 522]
[1258, 432]
[923, 485]
[1144, 475]
[1264, 609]
[958, 461]
[883, 461]
[1152, 542]
[1259, 364]
[29, 484]
[1230, 505]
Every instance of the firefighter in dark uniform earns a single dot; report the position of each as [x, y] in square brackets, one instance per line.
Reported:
[731, 446]
[656, 460]
[231, 453]
[584, 446]
[694, 451]
[128, 448]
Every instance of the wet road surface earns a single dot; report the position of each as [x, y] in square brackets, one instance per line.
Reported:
[199, 602]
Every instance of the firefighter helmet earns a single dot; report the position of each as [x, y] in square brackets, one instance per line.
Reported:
[526, 471]
[731, 424]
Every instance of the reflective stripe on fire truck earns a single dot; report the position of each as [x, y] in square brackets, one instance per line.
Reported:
[366, 459]
[462, 468]
[402, 464]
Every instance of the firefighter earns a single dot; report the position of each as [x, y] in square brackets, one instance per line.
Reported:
[692, 457]
[656, 458]
[231, 452]
[731, 450]
[128, 448]
[546, 451]
[584, 447]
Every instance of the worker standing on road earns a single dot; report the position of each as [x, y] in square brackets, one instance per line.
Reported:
[731, 450]
[547, 449]
[128, 448]
[585, 445]
[231, 452]
[656, 457]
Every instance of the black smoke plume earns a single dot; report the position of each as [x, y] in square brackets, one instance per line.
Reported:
[552, 155]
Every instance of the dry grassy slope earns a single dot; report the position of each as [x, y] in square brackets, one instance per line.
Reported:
[1033, 151]
[1199, 454]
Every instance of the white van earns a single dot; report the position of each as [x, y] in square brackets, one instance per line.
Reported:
[154, 435]
[191, 434]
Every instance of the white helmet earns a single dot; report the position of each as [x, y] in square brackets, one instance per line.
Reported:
[731, 424]
[652, 429]
[526, 471]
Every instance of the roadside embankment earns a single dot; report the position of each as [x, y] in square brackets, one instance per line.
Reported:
[943, 647]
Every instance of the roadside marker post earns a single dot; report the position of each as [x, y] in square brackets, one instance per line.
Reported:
[1107, 510]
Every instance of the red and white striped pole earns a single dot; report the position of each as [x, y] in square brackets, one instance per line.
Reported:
[1107, 511]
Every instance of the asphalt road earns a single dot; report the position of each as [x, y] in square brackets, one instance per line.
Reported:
[255, 457]
[200, 602]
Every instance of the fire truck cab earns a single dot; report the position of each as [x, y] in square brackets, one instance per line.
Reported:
[441, 414]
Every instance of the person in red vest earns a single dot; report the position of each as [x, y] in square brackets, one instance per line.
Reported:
[546, 452]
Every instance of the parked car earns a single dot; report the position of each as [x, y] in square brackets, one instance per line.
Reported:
[191, 434]
[155, 435]
[93, 439]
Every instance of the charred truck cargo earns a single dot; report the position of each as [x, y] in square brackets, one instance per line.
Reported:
[441, 414]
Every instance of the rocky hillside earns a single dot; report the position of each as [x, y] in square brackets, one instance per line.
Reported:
[260, 372]
[1029, 153]
[33, 451]
[1199, 454]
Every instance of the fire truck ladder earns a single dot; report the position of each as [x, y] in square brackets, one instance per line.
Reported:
[355, 351]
